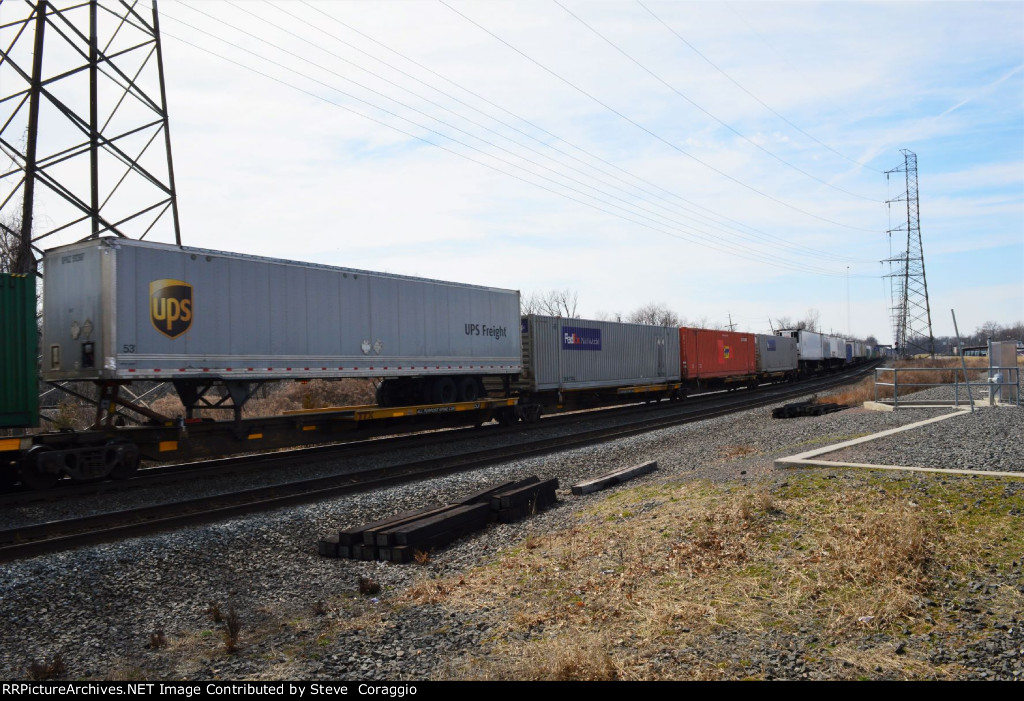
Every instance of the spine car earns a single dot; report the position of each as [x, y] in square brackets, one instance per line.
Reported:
[215, 326]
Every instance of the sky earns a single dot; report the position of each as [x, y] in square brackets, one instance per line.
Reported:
[725, 159]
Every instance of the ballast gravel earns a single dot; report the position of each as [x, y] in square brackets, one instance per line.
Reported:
[144, 608]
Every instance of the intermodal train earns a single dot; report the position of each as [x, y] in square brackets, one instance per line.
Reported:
[215, 326]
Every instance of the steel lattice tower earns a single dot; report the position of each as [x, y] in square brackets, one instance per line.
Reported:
[911, 312]
[83, 126]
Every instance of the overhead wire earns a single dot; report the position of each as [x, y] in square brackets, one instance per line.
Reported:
[543, 130]
[703, 235]
[648, 131]
[700, 234]
[752, 95]
[757, 234]
[728, 126]
[716, 245]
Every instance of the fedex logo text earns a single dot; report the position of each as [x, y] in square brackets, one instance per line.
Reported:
[574, 338]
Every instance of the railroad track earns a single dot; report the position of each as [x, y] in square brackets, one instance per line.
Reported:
[62, 535]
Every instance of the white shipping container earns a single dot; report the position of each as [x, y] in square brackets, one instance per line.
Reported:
[561, 353]
[127, 309]
[811, 346]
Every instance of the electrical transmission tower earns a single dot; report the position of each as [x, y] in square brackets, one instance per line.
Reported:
[911, 313]
[84, 137]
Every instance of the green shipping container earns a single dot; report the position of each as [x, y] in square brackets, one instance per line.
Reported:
[19, 383]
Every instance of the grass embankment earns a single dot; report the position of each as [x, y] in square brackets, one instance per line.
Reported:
[693, 580]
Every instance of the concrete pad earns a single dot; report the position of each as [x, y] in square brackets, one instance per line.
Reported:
[807, 459]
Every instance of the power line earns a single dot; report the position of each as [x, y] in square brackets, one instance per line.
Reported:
[720, 246]
[752, 95]
[616, 167]
[651, 133]
[671, 221]
[671, 87]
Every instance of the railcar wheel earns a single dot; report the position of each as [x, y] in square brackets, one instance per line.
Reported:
[469, 389]
[32, 472]
[8, 475]
[127, 462]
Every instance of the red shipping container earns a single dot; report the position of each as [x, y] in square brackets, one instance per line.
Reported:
[708, 354]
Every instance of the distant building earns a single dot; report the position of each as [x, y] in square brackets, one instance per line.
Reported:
[975, 351]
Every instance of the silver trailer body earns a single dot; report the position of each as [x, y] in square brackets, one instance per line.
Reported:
[583, 354]
[121, 309]
[776, 353]
[833, 347]
[810, 345]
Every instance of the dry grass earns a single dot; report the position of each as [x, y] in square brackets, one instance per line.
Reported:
[232, 630]
[46, 670]
[286, 396]
[944, 370]
[730, 452]
[271, 400]
[575, 655]
[650, 571]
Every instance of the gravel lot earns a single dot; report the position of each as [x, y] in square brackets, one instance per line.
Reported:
[99, 607]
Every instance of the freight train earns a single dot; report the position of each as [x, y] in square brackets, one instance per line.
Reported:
[215, 326]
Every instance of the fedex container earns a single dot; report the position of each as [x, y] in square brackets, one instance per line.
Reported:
[776, 354]
[708, 354]
[569, 354]
[121, 309]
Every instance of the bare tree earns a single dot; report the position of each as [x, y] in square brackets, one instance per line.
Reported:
[552, 303]
[705, 322]
[654, 314]
[14, 258]
[608, 316]
[810, 322]
[990, 329]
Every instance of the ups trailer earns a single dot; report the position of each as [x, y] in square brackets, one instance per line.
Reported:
[118, 310]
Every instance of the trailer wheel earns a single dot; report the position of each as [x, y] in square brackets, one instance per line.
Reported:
[469, 389]
[441, 390]
[386, 393]
[31, 470]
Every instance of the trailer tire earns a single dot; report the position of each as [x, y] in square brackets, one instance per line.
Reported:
[469, 389]
[442, 390]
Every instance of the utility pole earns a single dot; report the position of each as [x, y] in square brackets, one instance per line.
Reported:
[849, 326]
[911, 312]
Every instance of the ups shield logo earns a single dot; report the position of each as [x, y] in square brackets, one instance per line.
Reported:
[170, 306]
